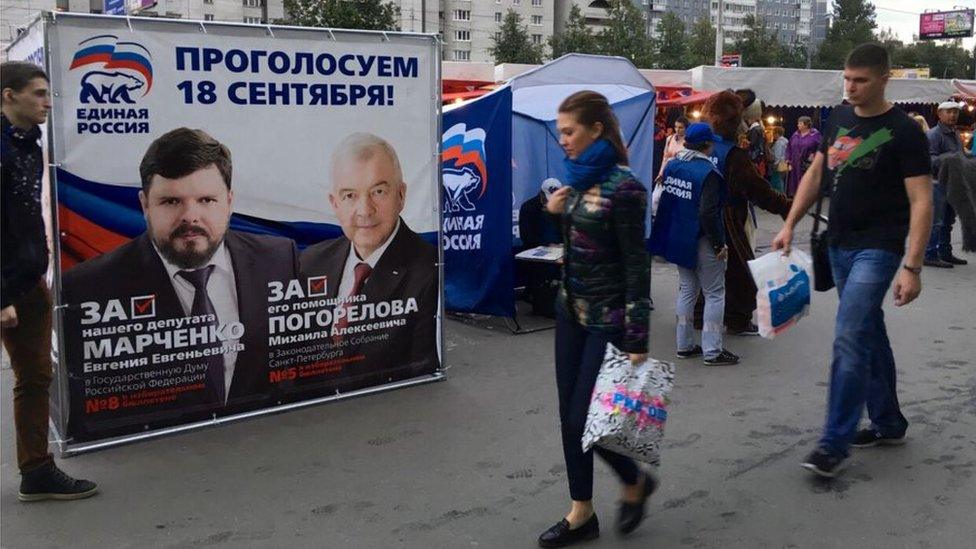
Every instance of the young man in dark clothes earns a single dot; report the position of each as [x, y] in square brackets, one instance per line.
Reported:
[26, 321]
[875, 159]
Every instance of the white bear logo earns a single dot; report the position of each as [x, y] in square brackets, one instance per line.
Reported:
[458, 184]
[109, 87]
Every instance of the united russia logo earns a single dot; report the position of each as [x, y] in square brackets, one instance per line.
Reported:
[463, 170]
[118, 70]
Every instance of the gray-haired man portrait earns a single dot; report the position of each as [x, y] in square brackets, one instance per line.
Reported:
[378, 257]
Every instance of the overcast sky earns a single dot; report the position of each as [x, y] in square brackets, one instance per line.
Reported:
[902, 15]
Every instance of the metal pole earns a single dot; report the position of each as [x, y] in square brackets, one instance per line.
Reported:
[423, 15]
[719, 34]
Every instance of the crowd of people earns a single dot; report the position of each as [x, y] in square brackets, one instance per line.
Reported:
[872, 161]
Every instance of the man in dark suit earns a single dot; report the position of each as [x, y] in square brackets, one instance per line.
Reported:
[189, 269]
[378, 257]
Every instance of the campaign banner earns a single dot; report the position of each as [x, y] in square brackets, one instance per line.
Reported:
[476, 152]
[247, 219]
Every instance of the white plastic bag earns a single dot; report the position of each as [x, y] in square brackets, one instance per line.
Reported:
[629, 406]
[784, 283]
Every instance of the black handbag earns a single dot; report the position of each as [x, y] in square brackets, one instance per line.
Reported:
[823, 278]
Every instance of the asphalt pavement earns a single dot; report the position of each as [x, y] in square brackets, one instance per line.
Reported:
[476, 461]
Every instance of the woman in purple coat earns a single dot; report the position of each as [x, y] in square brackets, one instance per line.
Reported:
[800, 151]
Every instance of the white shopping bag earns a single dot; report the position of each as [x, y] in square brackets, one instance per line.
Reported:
[629, 406]
[784, 283]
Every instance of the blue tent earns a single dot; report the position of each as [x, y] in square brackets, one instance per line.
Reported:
[534, 154]
[536, 95]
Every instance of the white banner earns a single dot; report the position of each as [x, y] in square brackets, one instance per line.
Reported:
[280, 103]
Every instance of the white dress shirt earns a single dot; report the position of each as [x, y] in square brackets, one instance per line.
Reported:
[349, 272]
[222, 289]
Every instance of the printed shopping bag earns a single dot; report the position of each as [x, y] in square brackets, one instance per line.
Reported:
[783, 295]
[629, 406]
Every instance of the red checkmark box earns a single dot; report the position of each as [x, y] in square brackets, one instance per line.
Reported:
[143, 306]
[317, 286]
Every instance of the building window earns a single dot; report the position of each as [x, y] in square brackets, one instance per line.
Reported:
[462, 15]
[498, 17]
[536, 38]
[516, 2]
[462, 35]
[537, 20]
[252, 20]
[462, 55]
[537, 3]
[253, 3]
[208, 1]
[208, 17]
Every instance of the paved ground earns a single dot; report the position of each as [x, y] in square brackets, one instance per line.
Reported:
[476, 461]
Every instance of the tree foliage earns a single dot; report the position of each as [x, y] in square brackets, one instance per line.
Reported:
[670, 46]
[853, 23]
[701, 43]
[577, 37]
[344, 14]
[513, 44]
[760, 47]
[625, 34]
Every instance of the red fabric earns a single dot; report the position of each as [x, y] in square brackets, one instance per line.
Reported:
[363, 270]
[81, 239]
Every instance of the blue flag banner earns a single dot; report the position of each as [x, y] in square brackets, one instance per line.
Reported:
[114, 7]
[476, 153]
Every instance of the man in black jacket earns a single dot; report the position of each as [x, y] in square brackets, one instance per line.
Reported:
[26, 317]
[943, 139]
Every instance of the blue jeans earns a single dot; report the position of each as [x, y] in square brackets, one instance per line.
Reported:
[863, 369]
[708, 277]
[943, 217]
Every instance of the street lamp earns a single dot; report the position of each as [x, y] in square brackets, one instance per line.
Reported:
[719, 34]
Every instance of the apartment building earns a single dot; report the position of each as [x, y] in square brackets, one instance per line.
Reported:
[17, 14]
[794, 21]
[468, 26]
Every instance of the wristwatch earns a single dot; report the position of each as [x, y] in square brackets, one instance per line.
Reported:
[916, 270]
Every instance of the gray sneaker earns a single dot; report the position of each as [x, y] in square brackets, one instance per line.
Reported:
[724, 358]
[49, 482]
[866, 438]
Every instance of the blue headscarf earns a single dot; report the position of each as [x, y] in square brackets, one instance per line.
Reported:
[592, 166]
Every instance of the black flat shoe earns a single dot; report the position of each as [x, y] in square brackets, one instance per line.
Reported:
[631, 515]
[560, 535]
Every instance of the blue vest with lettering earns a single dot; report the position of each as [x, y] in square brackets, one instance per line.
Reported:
[676, 229]
[720, 151]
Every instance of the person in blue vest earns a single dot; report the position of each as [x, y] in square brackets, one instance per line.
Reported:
[688, 232]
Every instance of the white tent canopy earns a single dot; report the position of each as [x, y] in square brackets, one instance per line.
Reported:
[777, 87]
[965, 88]
[812, 88]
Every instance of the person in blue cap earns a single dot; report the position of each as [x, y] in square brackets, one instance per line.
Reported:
[688, 232]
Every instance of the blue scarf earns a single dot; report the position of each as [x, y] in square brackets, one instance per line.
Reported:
[592, 166]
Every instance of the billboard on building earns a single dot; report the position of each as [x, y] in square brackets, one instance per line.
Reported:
[946, 24]
[732, 60]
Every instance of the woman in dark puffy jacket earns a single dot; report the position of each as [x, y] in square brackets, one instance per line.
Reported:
[604, 298]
